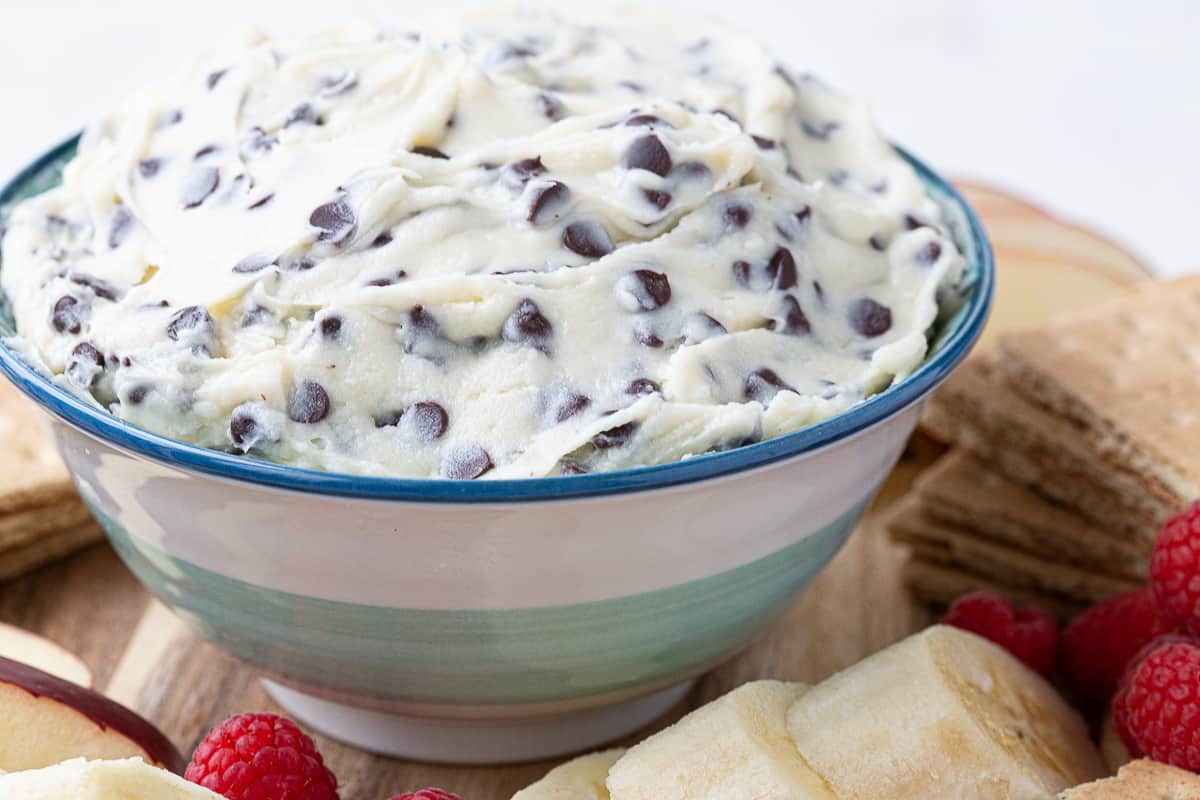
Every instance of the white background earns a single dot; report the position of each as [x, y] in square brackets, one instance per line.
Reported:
[1091, 108]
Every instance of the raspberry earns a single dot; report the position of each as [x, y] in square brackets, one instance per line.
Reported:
[1175, 569]
[427, 794]
[1028, 633]
[261, 757]
[1157, 707]
[1099, 643]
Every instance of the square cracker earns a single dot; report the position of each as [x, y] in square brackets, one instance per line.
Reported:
[1125, 378]
[16, 561]
[962, 492]
[1140, 780]
[982, 410]
[938, 543]
[31, 474]
[29, 525]
[938, 585]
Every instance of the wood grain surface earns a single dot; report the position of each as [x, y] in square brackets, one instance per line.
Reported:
[144, 657]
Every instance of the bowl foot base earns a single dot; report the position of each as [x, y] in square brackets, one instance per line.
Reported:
[451, 741]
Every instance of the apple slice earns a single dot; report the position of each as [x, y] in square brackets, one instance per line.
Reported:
[47, 720]
[20, 645]
[1053, 238]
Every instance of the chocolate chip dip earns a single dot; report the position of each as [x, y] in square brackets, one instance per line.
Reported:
[509, 245]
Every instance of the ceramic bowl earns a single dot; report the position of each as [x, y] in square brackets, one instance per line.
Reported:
[488, 621]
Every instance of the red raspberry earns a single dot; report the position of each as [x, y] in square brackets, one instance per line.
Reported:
[1157, 707]
[1099, 643]
[261, 757]
[1028, 633]
[427, 794]
[1175, 569]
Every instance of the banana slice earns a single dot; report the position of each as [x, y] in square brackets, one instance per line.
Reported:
[944, 713]
[580, 779]
[734, 748]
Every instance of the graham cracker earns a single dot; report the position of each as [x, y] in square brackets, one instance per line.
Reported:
[1124, 378]
[1140, 780]
[962, 492]
[982, 410]
[31, 474]
[938, 585]
[16, 561]
[934, 541]
[21, 527]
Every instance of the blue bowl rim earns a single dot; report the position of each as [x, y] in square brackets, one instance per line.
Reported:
[193, 458]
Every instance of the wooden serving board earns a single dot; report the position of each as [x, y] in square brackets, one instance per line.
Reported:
[145, 658]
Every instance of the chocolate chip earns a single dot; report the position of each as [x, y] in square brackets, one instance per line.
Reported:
[149, 167]
[587, 239]
[929, 254]
[331, 327]
[820, 131]
[819, 292]
[648, 153]
[214, 78]
[388, 419]
[303, 114]
[644, 290]
[207, 150]
[878, 242]
[120, 227]
[201, 183]
[782, 269]
[173, 117]
[794, 321]
[186, 319]
[648, 120]
[743, 273]
[632, 86]
[244, 427]
[262, 201]
[427, 420]
[737, 214]
[764, 143]
[614, 437]
[67, 315]
[382, 240]
[335, 220]
[547, 202]
[308, 403]
[763, 384]
[691, 171]
[85, 365]
[518, 173]
[99, 286]
[568, 467]
[429, 152]
[137, 394]
[333, 85]
[647, 337]
[253, 316]
[642, 386]
[527, 325]
[251, 264]
[550, 106]
[654, 197]
[389, 280]
[258, 141]
[803, 214]
[567, 404]
[700, 326]
[466, 463]
[301, 265]
[869, 318]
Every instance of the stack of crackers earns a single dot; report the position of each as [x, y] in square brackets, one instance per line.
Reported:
[41, 516]
[1074, 440]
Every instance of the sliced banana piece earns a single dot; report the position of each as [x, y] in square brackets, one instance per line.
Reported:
[944, 713]
[734, 748]
[580, 779]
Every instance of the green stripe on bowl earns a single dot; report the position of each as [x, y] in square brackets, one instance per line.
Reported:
[493, 657]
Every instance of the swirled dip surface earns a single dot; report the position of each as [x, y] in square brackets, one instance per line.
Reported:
[508, 246]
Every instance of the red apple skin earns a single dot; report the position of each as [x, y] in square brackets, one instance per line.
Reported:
[106, 713]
